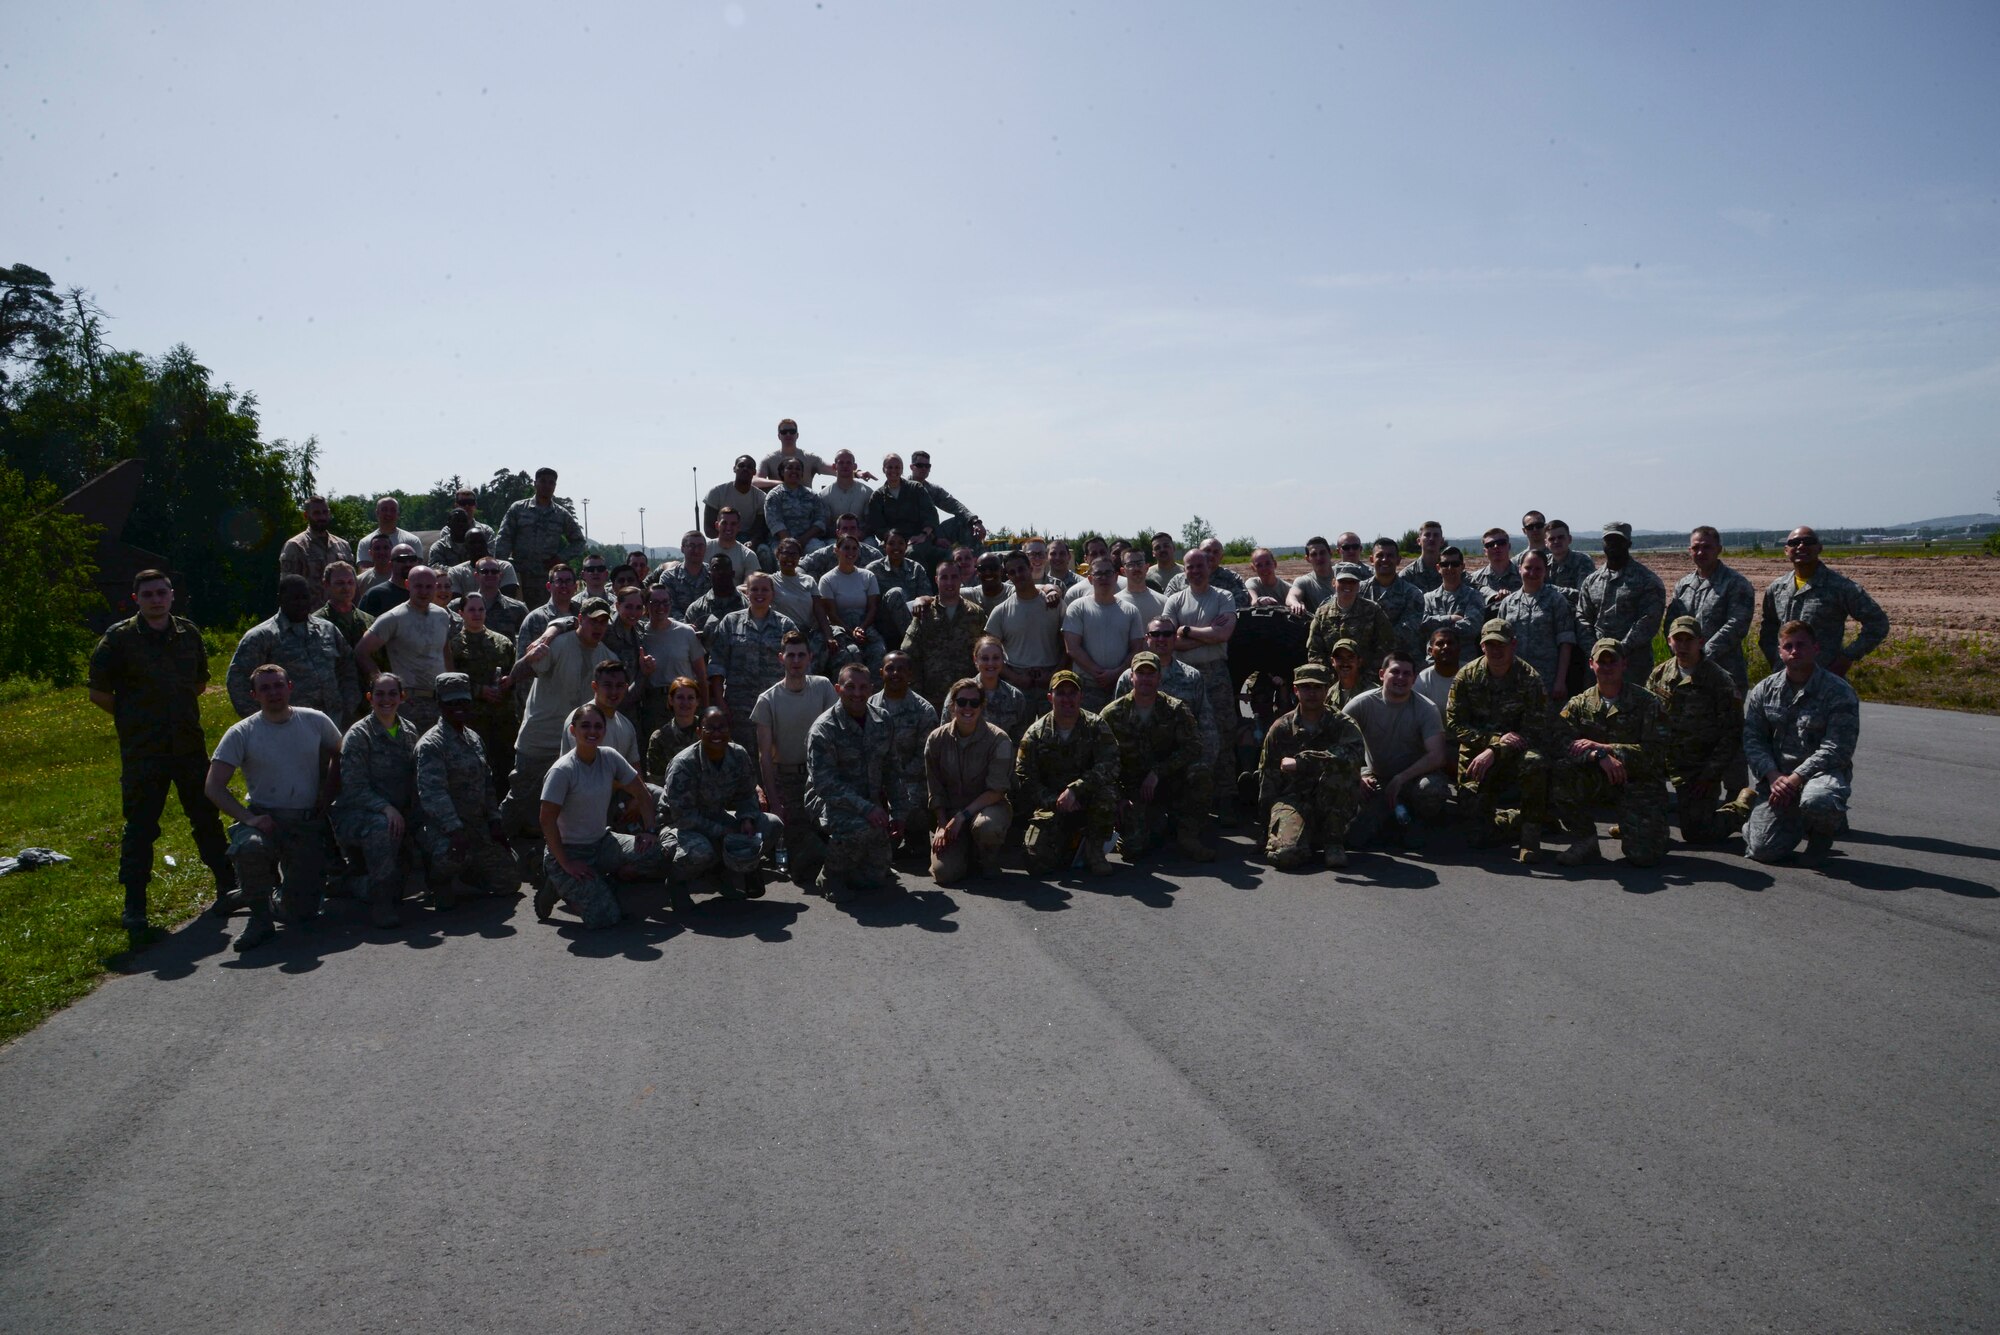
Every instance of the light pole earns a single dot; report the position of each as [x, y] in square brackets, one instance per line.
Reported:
[642, 534]
[586, 519]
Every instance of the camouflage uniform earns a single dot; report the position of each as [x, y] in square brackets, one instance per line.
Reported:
[1808, 731]
[1220, 577]
[665, 746]
[308, 556]
[1724, 605]
[1569, 572]
[1825, 603]
[1045, 764]
[744, 651]
[1542, 623]
[487, 659]
[1632, 727]
[705, 612]
[352, 624]
[1623, 605]
[792, 511]
[688, 584]
[1189, 687]
[1316, 802]
[1364, 623]
[709, 801]
[845, 761]
[900, 587]
[1463, 609]
[629, 642]
[1165, 741]
[533, 537]
[1423, 573]
[819, 562]
[455, 790]
[1403, 603]
[1704, 744]
[377, 771]
[1493, 587]
[1009, 709]
[155, 679]
[1480, 710]
[504, 615]
[939, 643]
[320, 661]
[911, 720]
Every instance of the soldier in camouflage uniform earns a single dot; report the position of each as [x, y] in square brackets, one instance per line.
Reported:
[689, 577]
[461, 837]
[312, 650]
[711, 793]
[1160, 770]
[1824, 599]
[1400, 600]
[1007, 706]
[1345, 677]
[1544, 626]
[148, 673]
[1498, 713]
[1568, 567]
[846, 755]
[722, 598]
[681, 730]
[743, 648]
[485, 657]
[1800, 728]
[941, 634]
[818, 563]
[1623, 601]
[902, 581]
[1499, 576]
[537, 533]
[1611, 744]
[911, 721]
[1310, 775]
[794, 510]
[308, 553]
[1704, 734]
[1721, 603]
[1349, 616]
[1066, 778]
[1454, 603]
[375, 814]
[340, 611]
[1424, 572]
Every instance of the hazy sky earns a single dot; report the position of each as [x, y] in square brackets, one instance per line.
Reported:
[1290, 267]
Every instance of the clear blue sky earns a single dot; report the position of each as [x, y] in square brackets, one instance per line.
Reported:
[1291, 267]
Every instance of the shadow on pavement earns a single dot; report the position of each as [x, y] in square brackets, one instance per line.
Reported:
[1018, 888]
[1918, 843]
[929, 909]
[1890, 878]
[764, 919]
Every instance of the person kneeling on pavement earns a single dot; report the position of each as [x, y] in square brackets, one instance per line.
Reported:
[462, 836]
[583, 850]
[1403, 784]
[1612, 746]
[1066, 775]
[846, 754]
[1800, 728]
[1310, 775]
[711, 793]
[1498, 713]
[968, 767]
[1160, 773]
[376, 815]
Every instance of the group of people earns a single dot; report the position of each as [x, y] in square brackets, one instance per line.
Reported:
[827, 680]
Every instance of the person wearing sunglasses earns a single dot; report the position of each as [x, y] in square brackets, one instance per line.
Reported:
[1454, 605]
[1498, 577]
[968, 769]
[1823, 599]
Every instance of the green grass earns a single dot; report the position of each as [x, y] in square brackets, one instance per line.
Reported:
[59, 929]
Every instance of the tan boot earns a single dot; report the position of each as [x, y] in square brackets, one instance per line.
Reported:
[1191, 847]
[1093, 858]
[1531, 843]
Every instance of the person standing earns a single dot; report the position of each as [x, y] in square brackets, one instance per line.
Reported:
[781, 720]
[308, 553]
[1824, 599]
[535, 534]
[1401, 600]
[911, 721]
[148, 672]
[1423, 572]
[319, 660]
[1721, 603]
[1101, 634]
[1623, 601]
[557, 671]
[941, 635]
[376, 814]
[743, 648]
[394, 591]
[289, 758]
[902, 581]
[1349, 616]
[417, 636]
[1180, 681]
[1800, 728]
[1568, 568]
[1205, 617]
[388, 524]
[846, 494]
[968, 769]
[1545, 632]
[740, 494]
[1316, 585]
[677, 653]
[340, 611]
[1454, 605]
[561, 605]
[1498, 577]
[1028, 623]
[462, 837]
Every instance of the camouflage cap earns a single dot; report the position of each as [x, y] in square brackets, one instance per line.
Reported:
[1352, 570]
[1684, 626]
[1065, 678]
[1497, 629]
[452, 686]
[1347, 644]
[1311, 673]
[593, 607]
[1145, 658]
[1607, 645]
[1620, 527]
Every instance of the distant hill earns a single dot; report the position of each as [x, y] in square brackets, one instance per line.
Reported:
[1949, 521]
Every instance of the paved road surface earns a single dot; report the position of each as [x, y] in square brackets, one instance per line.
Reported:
[1440, 1095]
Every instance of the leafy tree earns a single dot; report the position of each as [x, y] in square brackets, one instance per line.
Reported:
[1196, 531]
[47, 584]
[1238, 549]
[30, 316]
[1408, 543]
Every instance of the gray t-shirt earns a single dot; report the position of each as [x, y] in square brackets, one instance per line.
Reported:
[584, 792]
[1106, 629]
[849, 500]
[1030, 630]
[1434, 687]
[793, 595]
[415, 643]
[562, 682]
[280, 761]
[1188, 608]
[849, 593]
[750, 506]
[620, 735]
[674, 647]
[1396, 734]
[1312, 590]
[790, 715]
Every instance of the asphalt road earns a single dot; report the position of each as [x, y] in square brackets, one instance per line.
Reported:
[1446, 1094]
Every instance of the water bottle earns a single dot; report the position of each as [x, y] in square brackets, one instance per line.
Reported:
[1402, 814]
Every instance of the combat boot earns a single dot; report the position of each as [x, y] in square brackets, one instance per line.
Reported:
[255, 932]
[545, 901]
[753, 884]
[835, 889]
[1741, 803]
[382, 913]
[1191, 847]
[1531, 843]
[1336, 855]
[1582, 851]
[1093, 857]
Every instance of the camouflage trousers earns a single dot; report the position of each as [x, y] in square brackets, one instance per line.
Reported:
[1701, 817]
[869, 653]
[485, 864]
[856, 851]
[1641, 809]
[1050, 839]
[363, 836]
[496, 736]
[1228, 723]
[1486, 822]
[1143, 825]
[892, 614]
[283, 872]
[1424, 799]
[1295, 825]
[805, 851]
[1770, 834]
[521, 813]
[592, 895]
[142, 786]
[980, 845]
[695, 853]
[419, 712]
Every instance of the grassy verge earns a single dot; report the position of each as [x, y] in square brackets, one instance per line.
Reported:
[59, 929]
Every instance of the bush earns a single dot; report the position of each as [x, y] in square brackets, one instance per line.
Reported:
[48, 583]
[1993, 543]
[1238, 549]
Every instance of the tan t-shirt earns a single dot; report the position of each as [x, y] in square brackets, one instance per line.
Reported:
[790, 715]
[414, 641]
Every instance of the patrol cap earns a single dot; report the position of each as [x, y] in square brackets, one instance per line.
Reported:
[1065, 678]
[1684, 626]
[1347, 644]
[1607, 645]
[452, 686]
[1620, 527]
[1313, 673]
[1350, 570]
[1499, 629]
[593, 607]
[1145, 658]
